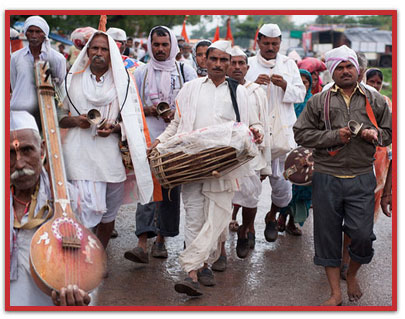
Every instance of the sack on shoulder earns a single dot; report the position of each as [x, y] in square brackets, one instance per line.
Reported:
[280, 141]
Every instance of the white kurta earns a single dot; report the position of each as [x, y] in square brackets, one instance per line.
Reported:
[294, 93]
[98, 159]
[208, 205]
[251, 186]
[22, 81]
[284, 100]
[89, 157]
[157, 125]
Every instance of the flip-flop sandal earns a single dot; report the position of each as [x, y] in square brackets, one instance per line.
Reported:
[233, 225]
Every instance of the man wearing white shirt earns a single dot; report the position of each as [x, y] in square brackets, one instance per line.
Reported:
[24, 94]
[281, 79]
[98, 81]
[158, 81]
[30, 208]
[202, 103]
[248, 196]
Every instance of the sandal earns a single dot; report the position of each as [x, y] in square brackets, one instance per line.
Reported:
[293, 230]
[233, 225]
[281, 223]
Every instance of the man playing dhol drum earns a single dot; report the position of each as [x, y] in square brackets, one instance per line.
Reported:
[201, 103]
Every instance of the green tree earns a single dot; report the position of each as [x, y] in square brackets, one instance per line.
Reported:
[244, 31]
[138, 25]
[383, 22]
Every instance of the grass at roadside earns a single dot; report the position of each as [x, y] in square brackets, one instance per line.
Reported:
[387, 85]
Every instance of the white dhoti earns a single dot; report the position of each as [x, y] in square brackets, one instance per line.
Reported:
[208, 209]
[250, 191]
[281, 189]
[98, 202]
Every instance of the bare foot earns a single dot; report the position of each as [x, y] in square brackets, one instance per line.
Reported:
[333, 301]
[343, 271]
[353, 289]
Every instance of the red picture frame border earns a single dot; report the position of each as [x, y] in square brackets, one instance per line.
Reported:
[393, 13]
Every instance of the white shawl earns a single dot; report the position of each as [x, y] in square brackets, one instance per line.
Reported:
[132, 125]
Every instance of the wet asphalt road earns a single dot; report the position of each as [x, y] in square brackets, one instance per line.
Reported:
[274, 274]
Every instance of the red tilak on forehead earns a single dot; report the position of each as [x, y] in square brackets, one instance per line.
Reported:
[16, 144]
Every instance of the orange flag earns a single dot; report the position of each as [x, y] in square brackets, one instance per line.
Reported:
[102, 25]
[229, 31]
[183, 31]
[255, 41]
[216, 36]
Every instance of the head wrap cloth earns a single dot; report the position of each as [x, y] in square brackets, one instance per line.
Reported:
[37, 21]
[341, 54]
[132, 124]
[80, 36]
[161, 92]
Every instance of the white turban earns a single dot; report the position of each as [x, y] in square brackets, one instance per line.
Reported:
[237, 51]
[22, 120]
[117, 34]
[270, 30]
[36, 21]
[341, 54]
[222, 45]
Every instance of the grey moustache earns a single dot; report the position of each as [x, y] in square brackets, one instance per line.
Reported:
[21, 172]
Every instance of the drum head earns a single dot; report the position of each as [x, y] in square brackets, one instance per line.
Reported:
[299, 166]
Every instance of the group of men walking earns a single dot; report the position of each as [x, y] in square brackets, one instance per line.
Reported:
[266, 86]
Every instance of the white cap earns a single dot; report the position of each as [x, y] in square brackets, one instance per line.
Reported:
[21, 120]
[237, 51]
[222, 45]
[270, 30]
[117, 34]
[341, 54]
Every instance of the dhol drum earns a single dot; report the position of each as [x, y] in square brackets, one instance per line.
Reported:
[203, 154]
[299, 166]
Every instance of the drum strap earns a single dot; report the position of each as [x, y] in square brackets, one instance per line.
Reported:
[233, 85]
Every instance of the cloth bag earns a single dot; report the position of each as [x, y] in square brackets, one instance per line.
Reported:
[280, 141]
